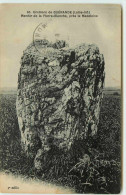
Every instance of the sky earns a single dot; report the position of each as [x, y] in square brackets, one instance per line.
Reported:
[17, 33]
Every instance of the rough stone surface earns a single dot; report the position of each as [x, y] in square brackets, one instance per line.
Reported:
[59, 95]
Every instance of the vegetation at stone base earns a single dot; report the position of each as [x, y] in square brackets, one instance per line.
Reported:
[91, 166]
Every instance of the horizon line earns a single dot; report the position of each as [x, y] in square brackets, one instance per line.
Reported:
[103, 88]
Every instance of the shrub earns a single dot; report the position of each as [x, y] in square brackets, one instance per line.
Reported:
[97, 175]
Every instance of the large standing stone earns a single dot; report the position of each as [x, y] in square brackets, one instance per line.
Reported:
[59, 96]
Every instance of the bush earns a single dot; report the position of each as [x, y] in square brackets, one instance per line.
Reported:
[96, 175]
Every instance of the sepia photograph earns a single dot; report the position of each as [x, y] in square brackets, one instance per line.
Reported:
[61, 98]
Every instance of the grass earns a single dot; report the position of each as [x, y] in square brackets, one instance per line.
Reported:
[91, 166]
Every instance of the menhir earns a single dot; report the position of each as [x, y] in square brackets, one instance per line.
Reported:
[59, 95]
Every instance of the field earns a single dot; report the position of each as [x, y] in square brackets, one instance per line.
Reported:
[91, 166]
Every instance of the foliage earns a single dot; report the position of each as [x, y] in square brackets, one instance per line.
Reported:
[97, 175]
